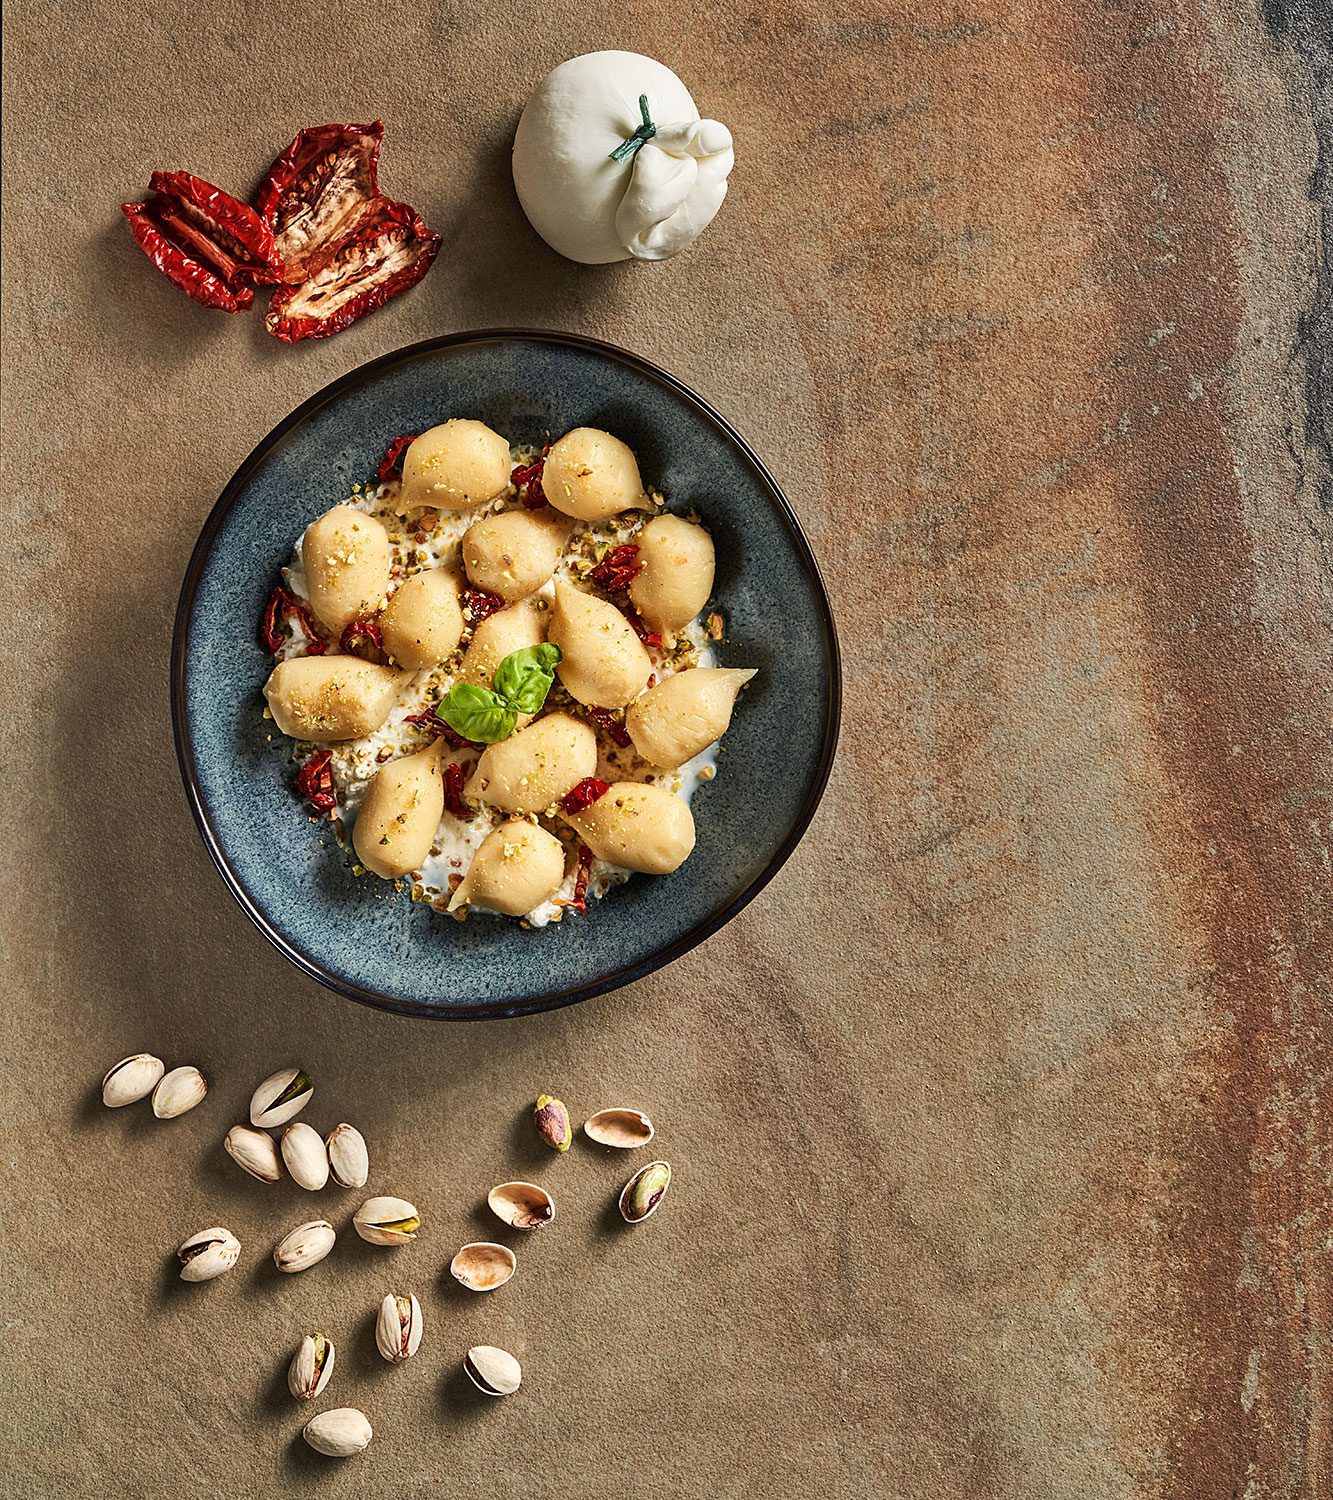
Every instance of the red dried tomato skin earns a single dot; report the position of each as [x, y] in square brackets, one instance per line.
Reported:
[314, 782]
[282, 603]
[582, 796]
[252, 251]
[453, 792]
[429, 719]
[479, 604]
[391, 465]
[640, 627]
[380, 220]
[180, 268]
[580, 900]
[618, 569]
[363, 638]
[293, 190]
[609, 725]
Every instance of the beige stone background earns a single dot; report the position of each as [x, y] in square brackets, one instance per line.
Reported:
[1000, 1120]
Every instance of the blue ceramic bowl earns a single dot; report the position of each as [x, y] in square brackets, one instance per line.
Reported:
[359, 936]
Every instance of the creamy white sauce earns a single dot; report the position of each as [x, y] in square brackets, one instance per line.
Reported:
[355, 762]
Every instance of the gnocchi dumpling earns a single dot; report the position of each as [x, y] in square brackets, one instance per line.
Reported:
[458, 465]
[602, 662]
[507, 630]
[639, 826]
[518, 867]
[591, 475]
[535, 767]
[423, 622]
[328, 698]
[513, 553]
[400, 813]
[677, 561]
[346, 559]
[672, 722]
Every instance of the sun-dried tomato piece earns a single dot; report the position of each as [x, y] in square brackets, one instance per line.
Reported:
[283, 606]
[390, 249]
[314, 782]
[363, 638]
[317, 188]
[211, 245]
[391, 465]
[453, 792]
[610, 726]
[640, 626]
[579, 903]
[479, 604]
[618, 569]
[582, 796]
[429, 719]
[527, 480]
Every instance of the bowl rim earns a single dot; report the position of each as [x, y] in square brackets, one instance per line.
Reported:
[180, 641]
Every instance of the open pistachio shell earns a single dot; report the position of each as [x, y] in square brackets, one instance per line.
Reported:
[493, 1371]
[523, 1205]
[208, 1254]
[387, 1221]
[398, 1327]
[483, 1266]
[281, 1097]
[622, 1128]
[643, 1193]
[311, 1368]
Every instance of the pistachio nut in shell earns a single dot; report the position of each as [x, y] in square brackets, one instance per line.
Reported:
[387, 1221]
[483, 1266]
[398, 1328]
[523, 1205]
[551, 1118]
[254, 1152]
[304, 1247]
[208, 1254]
[622, 1128]
[281, 1097]
[133, 1078]
[339, 1433]
[179, 1091]
[311, 1368]
[349, 1161]
[644, 1192]
[306, 1156]
[494, 1371]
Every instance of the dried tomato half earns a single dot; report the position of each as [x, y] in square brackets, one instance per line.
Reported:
[453, 792]
[314, 782]
[389, 249]
[211, 245]
[479, 604]
[618, 569]
[282, 606]
[317, 188]
[583, 795]
[611, 727]
[363, 638]
[391, 465]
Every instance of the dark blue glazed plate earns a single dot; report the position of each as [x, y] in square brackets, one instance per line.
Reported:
[359, 936]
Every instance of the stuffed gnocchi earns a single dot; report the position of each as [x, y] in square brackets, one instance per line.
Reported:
[503, 689]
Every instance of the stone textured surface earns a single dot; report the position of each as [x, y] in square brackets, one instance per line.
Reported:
[1001, 1120]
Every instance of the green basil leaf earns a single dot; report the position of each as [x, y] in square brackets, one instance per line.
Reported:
[477, 713]
[524, 677]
